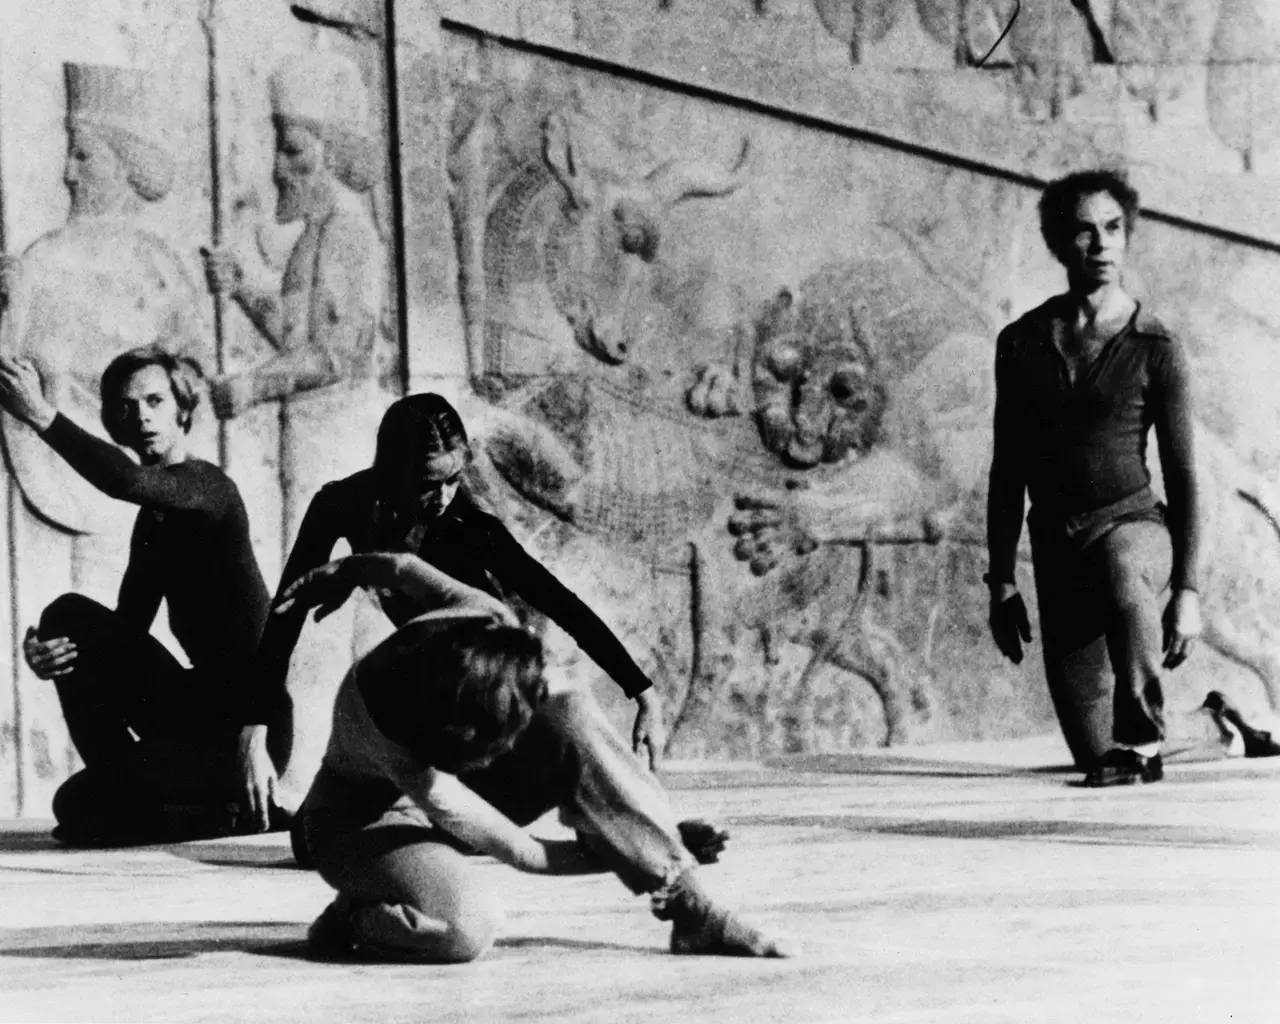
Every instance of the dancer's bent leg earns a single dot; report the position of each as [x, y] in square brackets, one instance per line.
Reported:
[623, 806]
[1138, 561]
[157, 767]
[402, 893]
[122, 683]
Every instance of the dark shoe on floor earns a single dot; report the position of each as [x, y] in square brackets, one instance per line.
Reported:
[1123, 767]
[1257, 742]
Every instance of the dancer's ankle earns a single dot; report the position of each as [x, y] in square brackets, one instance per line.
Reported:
[700, 927]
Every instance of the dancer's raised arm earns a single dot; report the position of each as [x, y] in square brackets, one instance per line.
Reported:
[327, 587]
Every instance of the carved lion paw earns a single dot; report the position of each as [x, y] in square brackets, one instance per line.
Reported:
[717, 392]
[766, 531]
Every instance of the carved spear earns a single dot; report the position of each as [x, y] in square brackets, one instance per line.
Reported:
[208, 23]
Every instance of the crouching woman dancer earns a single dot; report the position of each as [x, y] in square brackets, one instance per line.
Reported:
[445, 734]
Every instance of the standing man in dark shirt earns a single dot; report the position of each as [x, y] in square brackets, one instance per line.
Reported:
[1079, 382]
[155, 736]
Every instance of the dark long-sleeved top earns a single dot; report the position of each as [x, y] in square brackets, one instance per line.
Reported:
[1079, 449]
[191, 548]
[468, 543]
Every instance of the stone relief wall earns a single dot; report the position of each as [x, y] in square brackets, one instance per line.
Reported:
[778, 395]
[714, 286]
[138, 143]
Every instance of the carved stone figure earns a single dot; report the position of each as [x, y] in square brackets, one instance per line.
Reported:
[98, 285]
[324, 316]
[817, 392]
[571, 235]
[559, 235]
[924, 482]
[853, 385]
[835, 395]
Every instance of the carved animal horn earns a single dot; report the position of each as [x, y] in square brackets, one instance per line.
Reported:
[558, 151]
[675, 180]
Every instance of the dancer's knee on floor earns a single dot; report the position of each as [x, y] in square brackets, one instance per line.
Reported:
[79, 801]
[401, 931]
[467, 941]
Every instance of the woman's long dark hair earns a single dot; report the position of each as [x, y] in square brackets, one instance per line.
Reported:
[412, 430]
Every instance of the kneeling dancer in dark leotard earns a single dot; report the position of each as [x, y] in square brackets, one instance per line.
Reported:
[453, 691]
[169, 752]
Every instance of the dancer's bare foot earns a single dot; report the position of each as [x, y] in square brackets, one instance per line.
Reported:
[700, 928]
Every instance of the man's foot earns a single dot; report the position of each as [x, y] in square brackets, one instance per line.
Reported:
[1124, 767]
[700, 928]
[331, 935]
[1257, 742]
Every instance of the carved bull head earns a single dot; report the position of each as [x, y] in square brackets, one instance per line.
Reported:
[600, 253]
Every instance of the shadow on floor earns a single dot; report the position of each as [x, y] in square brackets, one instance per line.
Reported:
[906, 764]
[577, 945]
[35, 837]
[169, 940]
[226, 854]
[24, 839]
[151, 940]
[298, 950]
[1106, 833]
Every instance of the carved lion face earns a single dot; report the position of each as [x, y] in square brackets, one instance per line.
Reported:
[818, 394]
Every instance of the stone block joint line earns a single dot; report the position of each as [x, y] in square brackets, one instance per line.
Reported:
[728, 97]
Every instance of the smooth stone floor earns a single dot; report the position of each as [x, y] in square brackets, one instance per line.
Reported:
[960, 884]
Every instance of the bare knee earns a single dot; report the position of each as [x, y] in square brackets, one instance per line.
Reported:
[463, 938]
[469, 938]
[401, 931]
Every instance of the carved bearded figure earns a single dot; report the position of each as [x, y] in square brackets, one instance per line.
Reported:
[98, 285]
[323, 317]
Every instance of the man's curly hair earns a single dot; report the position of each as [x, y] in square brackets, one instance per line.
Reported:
[1058, 204]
